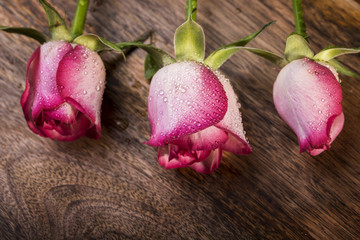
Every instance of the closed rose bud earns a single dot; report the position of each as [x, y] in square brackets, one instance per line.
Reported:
[307, 95]
[64, 87]
[194, 116]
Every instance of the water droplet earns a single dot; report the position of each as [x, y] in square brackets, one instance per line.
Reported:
[165, 99]
[319, 111]
[323, 100]
[98, 88]
[182, 89]
[84, 92]
[85, 55]
[161, 92]
[85, 72]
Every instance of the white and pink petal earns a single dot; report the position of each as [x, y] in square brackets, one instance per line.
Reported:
[307, 95]
[81, 81]
[232, 122]
[184, 98]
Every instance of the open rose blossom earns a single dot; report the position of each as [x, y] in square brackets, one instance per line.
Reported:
[64, 87]
[194, 116]
[307, 95]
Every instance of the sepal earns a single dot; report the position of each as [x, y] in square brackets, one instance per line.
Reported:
[340, 68]
[222, 54]
[150, 66]
[333, 52]
[189, 42]
[29, 32]
[57, 26]
[297, 47]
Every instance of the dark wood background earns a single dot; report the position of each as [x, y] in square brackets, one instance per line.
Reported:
[114, 188]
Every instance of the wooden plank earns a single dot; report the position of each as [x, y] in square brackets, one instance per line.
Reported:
[114, 188]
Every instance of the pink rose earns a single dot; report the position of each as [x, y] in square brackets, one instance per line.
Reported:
[194, 116]
[64, 87]
[307, 95]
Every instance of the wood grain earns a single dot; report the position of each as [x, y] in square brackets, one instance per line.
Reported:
[114, 188]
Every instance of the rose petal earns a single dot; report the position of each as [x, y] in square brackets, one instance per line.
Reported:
[65, 123]
[208, 165]
[308, 97]
[208, 139]
[172, 156]
[184, 98]
[41, 88]
[232, 122]
[81, 80]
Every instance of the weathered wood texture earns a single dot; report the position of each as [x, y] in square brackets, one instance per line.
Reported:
[114, 188]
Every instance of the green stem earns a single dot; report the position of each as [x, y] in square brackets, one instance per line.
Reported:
[78, 23]
[299, 18]
[191, 8]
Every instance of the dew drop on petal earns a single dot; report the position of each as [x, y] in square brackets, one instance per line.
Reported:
[84, 92]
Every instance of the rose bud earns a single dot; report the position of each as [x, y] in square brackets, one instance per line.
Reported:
[65, 77]
[307, 96]
[63, 94]
[194, 115]
[193, 109]
[307, 92]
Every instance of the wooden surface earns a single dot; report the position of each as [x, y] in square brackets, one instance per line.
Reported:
[114, 188]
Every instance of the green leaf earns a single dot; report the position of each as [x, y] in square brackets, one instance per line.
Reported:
[29, 32]
[189, 41]
[297, 47]
[191, 9]
[79, 19]
[222, 54]
[57, 27]
[150, 66]
[340, 68]
[299, 18]
[330, 53]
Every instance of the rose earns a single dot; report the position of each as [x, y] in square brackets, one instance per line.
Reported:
[307, 95]
[194, 115]
[63, 94]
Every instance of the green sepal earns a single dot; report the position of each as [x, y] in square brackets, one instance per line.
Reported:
[150, 67]
[29, 32]
[160, 57]
[297, 47]
[57, 26]
[333, 52]
[222, 54]
[97, 43]
[189, 42]
[340, 68]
